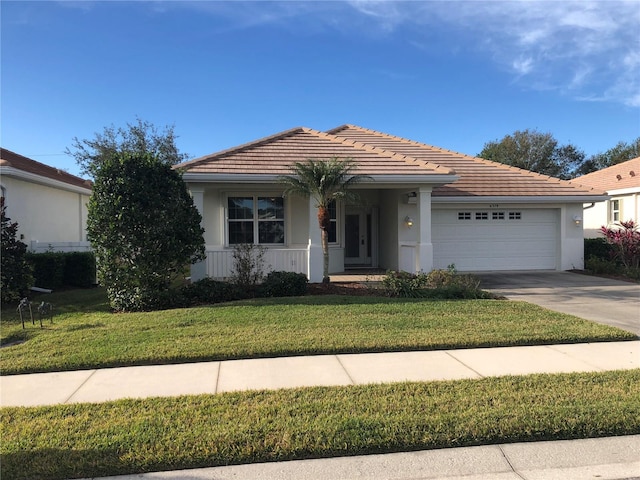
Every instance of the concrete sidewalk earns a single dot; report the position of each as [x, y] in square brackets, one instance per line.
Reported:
[321, 370]
[610, 458]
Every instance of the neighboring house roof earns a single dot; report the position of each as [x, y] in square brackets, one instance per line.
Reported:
[616, 177]
[379, 154]
[13, 164]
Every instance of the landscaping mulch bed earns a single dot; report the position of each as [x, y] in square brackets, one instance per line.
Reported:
[344, 288]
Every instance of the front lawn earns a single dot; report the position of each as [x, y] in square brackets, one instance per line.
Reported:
[86, 335]
[134, 436]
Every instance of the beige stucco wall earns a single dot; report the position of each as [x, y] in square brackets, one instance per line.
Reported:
[45, 214]
[214, 220]
[388, 233]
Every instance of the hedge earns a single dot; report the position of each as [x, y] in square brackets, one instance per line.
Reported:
[63, 269]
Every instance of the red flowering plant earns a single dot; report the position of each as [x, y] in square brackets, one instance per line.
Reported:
[625, 239]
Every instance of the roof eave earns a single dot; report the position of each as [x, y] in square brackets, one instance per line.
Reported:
[535, 199]
[378, 180]
[42, 180]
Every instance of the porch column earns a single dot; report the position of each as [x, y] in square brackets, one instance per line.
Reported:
[424, 247]
[198, 270]
[314, 250]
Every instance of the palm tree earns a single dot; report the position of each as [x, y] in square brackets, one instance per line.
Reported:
[323, 181]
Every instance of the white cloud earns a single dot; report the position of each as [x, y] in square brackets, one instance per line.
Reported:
[585, 49]
[523, 65]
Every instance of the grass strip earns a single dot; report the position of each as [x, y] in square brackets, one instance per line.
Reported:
[88, 337]
[134, 436]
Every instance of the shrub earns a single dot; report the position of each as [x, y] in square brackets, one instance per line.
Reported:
[599, 265]
[207, 291]
[15, 271]
[440, 284]
[80, 269]
[284, 284]
[625, 240]
[248, 264]
[599, 248]
[404, 284]
[144, 228]
[63, 269]
[48, 269]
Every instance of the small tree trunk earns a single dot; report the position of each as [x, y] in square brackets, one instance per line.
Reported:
[325, 255]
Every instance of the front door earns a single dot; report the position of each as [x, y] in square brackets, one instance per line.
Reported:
[358, 237]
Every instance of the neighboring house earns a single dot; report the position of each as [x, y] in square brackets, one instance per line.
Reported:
[622, 184]
[50, 205]
[423, 208]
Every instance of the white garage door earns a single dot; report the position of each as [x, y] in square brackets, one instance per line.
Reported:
[482, 240]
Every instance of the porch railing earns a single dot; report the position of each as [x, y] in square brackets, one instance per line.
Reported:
[220, 261]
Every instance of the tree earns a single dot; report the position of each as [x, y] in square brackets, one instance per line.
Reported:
[139, 138]
[144, 228]
[15, 271]
[323, 181]
[620, 153]
[535, 151]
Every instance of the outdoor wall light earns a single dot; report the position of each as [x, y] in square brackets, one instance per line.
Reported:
[577, 220]
[409, 221]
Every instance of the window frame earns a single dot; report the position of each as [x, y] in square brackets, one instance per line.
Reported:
[255, 220]
[334, 221]
[615, 210]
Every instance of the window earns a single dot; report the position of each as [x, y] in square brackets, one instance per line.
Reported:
[515, 215]
[482, 216]
[333, 229]
[249, 215]
[497, 215]
[614, 211]
[464, 215]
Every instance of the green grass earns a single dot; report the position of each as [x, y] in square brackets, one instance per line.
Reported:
[86, 335]
[133, 436]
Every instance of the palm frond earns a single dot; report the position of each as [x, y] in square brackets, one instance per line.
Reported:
[322, 180]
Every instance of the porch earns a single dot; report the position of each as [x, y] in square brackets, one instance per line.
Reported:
[219, 265]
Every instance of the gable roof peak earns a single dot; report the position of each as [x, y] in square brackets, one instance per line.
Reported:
[242, 147]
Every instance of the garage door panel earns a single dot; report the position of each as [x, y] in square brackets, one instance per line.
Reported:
[528, 242]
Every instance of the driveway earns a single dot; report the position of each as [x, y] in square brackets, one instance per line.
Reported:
[603, 300]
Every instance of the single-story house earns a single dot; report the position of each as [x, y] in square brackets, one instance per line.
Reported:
[50, 205]
[423, 208]
[622, 184]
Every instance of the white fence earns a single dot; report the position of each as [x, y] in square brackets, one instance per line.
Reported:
[220, 262]
[43, 247]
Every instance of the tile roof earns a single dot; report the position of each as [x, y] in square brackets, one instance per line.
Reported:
[276, 154]
[378, 153]
[19, 162]
[478, 177]
[616, 177]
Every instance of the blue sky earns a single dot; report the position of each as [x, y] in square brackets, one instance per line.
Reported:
[447, 73]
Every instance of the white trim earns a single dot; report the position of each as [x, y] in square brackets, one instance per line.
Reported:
[256, 220]
[379, 180]
[611, 211]
[624, 191]
[42, 180]
[521, 199]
